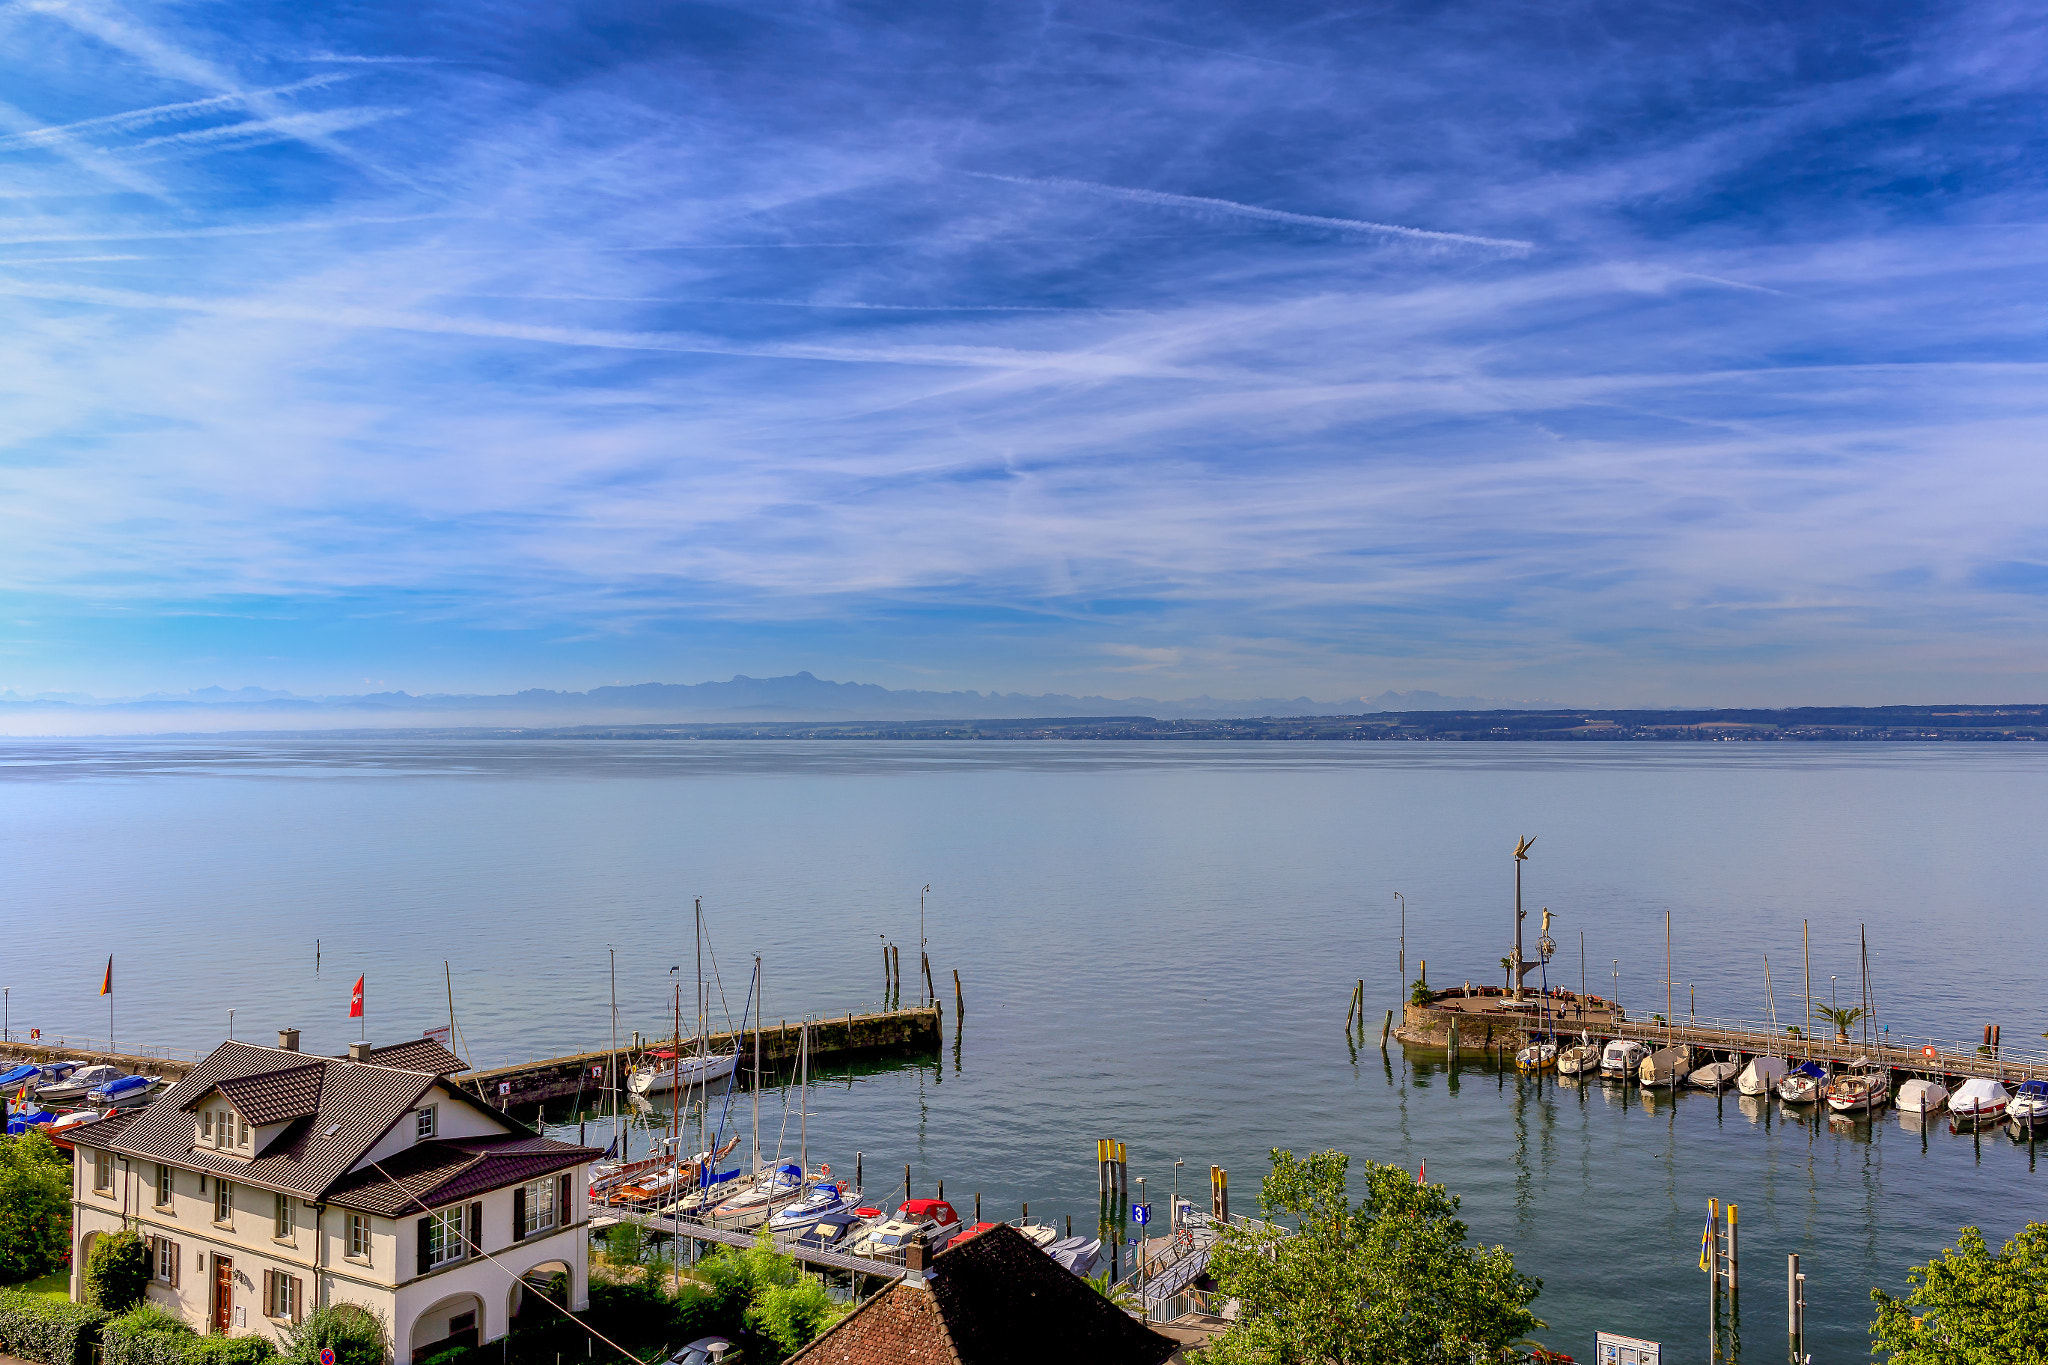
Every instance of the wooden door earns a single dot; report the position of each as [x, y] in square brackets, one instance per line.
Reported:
[223, 1294]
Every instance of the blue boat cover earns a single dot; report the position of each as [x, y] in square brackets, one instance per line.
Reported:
[2032, 1088]
[22, 1122]
[16, 1075]
[1813, 1069]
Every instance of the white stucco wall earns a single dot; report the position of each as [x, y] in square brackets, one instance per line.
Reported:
[453, 1118]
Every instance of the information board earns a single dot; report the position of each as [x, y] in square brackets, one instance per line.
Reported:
[1609, 1349]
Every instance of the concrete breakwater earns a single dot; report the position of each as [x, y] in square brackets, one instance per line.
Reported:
[906, 1032]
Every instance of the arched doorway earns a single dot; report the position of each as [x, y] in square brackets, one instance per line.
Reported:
[455, 1321]
[527, 1302]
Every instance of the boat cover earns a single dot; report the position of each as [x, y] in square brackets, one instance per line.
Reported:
[1978, 1093]
[1813, 1069]
[2039, 1088]
[16, 1075]
[20, 1123]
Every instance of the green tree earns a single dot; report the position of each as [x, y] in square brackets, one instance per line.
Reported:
[1971, 1307]
[116, 1272]
[35, 1206]
[780, 1302]
[1390, 1281]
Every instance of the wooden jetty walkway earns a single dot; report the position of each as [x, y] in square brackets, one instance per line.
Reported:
[849, 1037]
[785, 1243]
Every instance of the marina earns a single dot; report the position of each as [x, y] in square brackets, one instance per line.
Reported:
[1172, 975]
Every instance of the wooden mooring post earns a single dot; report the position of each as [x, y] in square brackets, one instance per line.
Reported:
[959, 1003]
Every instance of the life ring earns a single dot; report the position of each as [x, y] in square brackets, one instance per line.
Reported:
[1929, 1052]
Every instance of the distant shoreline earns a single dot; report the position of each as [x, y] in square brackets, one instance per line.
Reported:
[1850, 724]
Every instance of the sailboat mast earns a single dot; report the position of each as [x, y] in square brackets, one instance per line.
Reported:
[702, 1109]
[759, 1015]
[612, 1063]
[803, 1096]
[1806, 947]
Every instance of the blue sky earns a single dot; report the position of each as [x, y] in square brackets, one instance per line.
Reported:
[1610, 353]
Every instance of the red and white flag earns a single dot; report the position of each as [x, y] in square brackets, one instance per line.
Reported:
[355, 1000]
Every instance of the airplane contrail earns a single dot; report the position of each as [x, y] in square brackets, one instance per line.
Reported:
[1231, 206]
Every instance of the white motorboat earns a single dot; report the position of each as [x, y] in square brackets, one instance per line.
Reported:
[76, 1083]
[1802, 1084]
[2027, 1110]
[1762, 1075]
[1581, 1056]
[1978, 1102]
[1858, 1092]
[827, 1196]
[1921, 1096]
[1667, 1066]
[1620, 1058]
[1038, 1234]
[1714, 1075]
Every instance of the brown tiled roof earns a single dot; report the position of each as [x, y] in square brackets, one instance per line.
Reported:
[356, 1105]
[420, 1054]
[452, 1170]
[993, 1300]
[272, 1096]
[98, 1132]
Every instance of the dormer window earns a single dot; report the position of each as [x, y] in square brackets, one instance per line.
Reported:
[423, 1123]
[224, 1130]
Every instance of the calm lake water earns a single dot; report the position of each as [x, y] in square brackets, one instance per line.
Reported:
[1156, 942]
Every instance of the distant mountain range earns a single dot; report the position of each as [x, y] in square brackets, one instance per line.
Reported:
[799, 696]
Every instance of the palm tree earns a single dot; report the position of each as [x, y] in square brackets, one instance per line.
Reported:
[1843, 1019]
[1507, 965]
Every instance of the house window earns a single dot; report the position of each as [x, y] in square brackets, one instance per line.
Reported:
[283, 1296]
[283, 1229]
[102, 1172]
[206, 1126]
[444, 1236]
[163, 1186]
[166, 1260]
[423, 1123]
[223, 1208]
[538, 1200]
[359, 1237]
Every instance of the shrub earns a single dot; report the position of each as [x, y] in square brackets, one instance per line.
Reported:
[116, 1271]
[35, 1207]
[356, 1334]
[148, 1317]
[51, 1331]
[791, 1315]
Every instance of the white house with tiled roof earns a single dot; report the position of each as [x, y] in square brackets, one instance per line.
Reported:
[271, 1182]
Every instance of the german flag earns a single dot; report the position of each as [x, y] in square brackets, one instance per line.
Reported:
[107, 981]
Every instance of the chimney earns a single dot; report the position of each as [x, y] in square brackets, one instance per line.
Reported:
[288, 1039]
[913, 1257]
[359, 1052]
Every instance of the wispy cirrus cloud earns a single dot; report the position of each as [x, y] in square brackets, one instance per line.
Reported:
[1670, 370]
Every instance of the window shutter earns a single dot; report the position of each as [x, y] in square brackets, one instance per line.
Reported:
[426, 1244]
[177, 1259]
[562, 1210]
[519, 1214]
[270, 1293]
[475, 1222]
[298, 1298]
